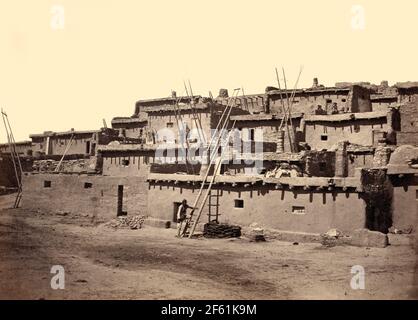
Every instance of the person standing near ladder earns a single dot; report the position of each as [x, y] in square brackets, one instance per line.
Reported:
[181, 217]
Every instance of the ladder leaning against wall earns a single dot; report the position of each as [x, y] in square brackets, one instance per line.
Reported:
[217, 140]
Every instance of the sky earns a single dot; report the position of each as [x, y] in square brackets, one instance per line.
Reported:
[93, 60]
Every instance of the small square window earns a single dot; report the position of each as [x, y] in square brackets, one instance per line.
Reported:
[239, 203]
[47, 184]
[324, 137]
[88, 185]
[298, 210]
[170, 125]
[125, 162]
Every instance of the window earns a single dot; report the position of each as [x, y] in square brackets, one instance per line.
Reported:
[322, 166]
[343, 100]
[170, 125]
[324, 137]
[239, 203]
[298, 210]
[88, 185]
[125, 162]
[47, 184]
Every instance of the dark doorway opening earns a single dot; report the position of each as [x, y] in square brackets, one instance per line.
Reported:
[93, 149]
[120, 211]
[87, 147]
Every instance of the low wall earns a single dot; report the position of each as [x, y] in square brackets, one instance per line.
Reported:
[98, 199]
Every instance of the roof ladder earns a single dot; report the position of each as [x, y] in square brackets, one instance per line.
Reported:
[213, 147]
[17, 165]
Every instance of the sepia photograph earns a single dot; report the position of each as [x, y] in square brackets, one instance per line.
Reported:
[207, 150]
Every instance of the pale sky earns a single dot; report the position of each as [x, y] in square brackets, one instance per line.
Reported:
[111, 53]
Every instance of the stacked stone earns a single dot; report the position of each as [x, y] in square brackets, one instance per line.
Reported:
[133, 222]
[215, 230]
[341, 159]
[381, 154]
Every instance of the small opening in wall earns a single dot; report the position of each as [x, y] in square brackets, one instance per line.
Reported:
[298, 210]
[47, 184]
[324, 137]
[252, 134]
[343, 100]
[170, 124]
[88, 185]
[125, 162]
[239, 203]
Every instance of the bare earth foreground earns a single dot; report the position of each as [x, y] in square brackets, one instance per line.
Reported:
[150, 263]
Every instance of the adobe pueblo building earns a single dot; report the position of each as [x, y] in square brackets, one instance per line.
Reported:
[301, 161]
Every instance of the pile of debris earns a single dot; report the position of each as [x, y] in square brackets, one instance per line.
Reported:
[221, 230]
[132, 222]
[76, 165]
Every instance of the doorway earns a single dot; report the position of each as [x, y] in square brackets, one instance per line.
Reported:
[176, 206]
[120, 211]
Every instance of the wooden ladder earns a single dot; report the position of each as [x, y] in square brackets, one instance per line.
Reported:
[213, 147]
[17, 165]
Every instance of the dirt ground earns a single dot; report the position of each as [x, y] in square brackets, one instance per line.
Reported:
[150, 263]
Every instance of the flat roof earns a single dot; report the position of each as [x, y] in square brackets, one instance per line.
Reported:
[262, 117]
[17, 143]
[308, 182]
[345, 116]
[63, 133]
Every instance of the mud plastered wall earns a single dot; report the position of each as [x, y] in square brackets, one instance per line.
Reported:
[93, 196]
[299, 211]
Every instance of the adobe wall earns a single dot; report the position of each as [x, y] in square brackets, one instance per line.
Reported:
[405, 202]
[307, 103]
[78, 145]
[407, 138]
[7, 173]
[358, 160]
[127, 165]
[68, 193]
[157, 121]
[383, 105]
[267, 131]
[268, 207]
[20, 148]
[356, 132]
[360, 98]
[132, 130]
